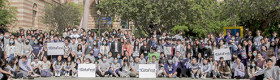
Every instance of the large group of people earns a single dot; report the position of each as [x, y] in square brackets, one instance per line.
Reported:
[118, 53]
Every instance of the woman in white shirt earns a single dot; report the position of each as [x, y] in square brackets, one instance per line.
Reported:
[45, 67]
[11, 49]
[251, 70]
[79, 54]
[57, 66]
[104, 49]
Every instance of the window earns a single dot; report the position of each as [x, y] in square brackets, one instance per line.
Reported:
[33, 17]
[125, 24]
[76, 1]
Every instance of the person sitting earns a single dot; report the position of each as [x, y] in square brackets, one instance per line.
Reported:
[57, 66]
[115, 67]
[239, 71]
[135, 68]
[195, 68]
[45, 67]
[12, 67]
[103, 67]
[170, 69]
[224, 70]
[158, 71]
[205, 69]
[68, 66]
[125, 68]
[252, 69]
[35, 66]
[75, 67]
[3, 72]
[272, 72]
[215, 69]
[25, 68]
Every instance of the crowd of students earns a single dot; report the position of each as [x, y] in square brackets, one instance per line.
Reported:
[118, 53]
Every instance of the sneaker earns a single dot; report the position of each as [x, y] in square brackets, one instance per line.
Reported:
[137, 76]
[106, 76]
[174, 76]
[122, 76]
[58, 75]
[164, 76]
[111, 76]
[55, 74]
[127, 76]
[117, 76]
[197, 77]
[65, 74]
[97, 75]
[192, 76]
[76, 75]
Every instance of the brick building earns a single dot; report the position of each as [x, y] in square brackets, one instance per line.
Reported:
[31, 11]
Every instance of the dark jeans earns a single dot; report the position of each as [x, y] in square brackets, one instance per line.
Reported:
[185, 72]
[99, 73]
[179, 72]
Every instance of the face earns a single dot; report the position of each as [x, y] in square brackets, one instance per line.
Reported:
[224, 64]
[59, 58]
[205, 61]
[193, 61]
[269, 64]
[36, 60]
[259, 56]
[136, 59]
[23, 59]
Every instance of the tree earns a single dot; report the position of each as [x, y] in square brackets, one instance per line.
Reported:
[64, 15]
[257, 13]
[7, 13]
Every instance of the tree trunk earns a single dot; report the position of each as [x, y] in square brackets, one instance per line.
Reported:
[269, 18]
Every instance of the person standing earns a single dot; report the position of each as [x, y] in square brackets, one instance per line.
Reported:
[116, 47]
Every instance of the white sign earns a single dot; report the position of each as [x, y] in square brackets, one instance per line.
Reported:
[55, 48]
[135, 54]
[86, 70]
[225, 53]
[147, 70]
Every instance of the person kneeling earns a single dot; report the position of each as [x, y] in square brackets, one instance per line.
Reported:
[170, 69]
[103, 68]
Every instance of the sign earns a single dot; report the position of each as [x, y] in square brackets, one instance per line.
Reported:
[86, 70]
[107, 21]
[147, 70]
[225, 53]
[55, 48]
[135, 54]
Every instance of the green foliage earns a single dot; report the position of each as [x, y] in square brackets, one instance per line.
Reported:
[63, 15]
[182, 28]
[255, 14]
[268, 31]
[7, 13]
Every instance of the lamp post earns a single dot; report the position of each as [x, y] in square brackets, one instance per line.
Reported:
[98, 13]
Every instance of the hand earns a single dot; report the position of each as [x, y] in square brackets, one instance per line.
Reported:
[170, 75]
[11, 74]
[73, 55]
[269, 79]
[102, 73]
[33, 68]
[222, 72]
[30, 71]
[137, 72]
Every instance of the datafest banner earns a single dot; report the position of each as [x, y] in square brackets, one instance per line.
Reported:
[225, 53]
[147, 70]
[55, 48]
[86, 70]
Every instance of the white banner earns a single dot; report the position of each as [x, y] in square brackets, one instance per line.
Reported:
[147, 70]
[55, 48]
[86, 70]
[225, 53]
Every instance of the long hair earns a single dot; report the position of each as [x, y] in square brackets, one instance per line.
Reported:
[136, 46]
[251, 67]
[79, 49]
[96, 44]
[226, 68]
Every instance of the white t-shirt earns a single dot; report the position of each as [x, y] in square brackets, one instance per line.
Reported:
[35, 64]
[45, 65]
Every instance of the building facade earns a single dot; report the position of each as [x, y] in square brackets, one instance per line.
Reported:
[31, 11]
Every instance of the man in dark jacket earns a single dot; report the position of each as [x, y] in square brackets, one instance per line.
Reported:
[116, 47]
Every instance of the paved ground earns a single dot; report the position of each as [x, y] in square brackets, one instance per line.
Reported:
[99, 78]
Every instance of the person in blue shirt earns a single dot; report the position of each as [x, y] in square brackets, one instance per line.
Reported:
[36, 49]
[170, 69]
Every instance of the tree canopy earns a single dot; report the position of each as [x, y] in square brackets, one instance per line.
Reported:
[7, 13]
[60, 16]
[195, 16]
